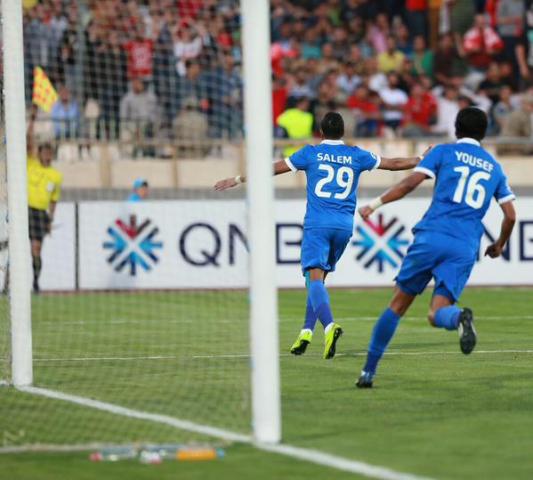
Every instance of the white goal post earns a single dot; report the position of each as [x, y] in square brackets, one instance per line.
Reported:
[266, 401]
[19, 248]
[265, 381]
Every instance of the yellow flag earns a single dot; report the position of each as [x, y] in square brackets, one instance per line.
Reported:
[44, 93]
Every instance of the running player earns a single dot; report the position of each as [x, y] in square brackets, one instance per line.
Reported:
[446, 242]
[332, 169]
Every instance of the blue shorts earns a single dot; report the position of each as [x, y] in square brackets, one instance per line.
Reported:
[322, 248]
[445, 258]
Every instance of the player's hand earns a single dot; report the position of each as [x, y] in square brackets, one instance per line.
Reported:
[366, 211]
[494, 250]
[225, 184]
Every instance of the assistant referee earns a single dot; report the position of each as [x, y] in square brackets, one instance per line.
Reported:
[44, 190]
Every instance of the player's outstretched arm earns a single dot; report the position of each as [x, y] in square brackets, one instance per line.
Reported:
[395, 164]
[509, 219]
[394, 193]
[279, 167]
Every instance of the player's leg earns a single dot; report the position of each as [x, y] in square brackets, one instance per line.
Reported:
[338, 241]
[314, 253]
[412, 279]
[450, 279]
[382, 334]
[37, 227]
[320, 301]
[306, 333]
[36, 247]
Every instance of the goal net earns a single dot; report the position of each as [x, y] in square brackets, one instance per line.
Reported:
[140, 310]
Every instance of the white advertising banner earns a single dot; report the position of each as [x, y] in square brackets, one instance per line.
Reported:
[202, 244]
[58, 253]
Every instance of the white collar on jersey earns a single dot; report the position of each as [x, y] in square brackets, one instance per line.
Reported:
[332, 142]
[471, 141]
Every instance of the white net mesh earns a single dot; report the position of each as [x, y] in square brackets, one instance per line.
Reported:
[142, 298]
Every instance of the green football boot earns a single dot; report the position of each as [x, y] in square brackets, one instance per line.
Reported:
[300, 345]
[330, 340]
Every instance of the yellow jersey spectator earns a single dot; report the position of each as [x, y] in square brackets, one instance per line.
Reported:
[295, 123]
[392, 59]
[44, 190]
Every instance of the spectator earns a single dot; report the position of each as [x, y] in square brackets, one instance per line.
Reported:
[187, 45]
[502, 110]
[65, 115]
[191, 128]
[519, 124]
[481, 43]
[138, 114]
[140, 191]
[348, 80]
[193, 85]
[279, 97]
[112, 86]
[377, 80]
[310, 47]
[378, 32]
[225, 99]
[449, 68]
[295, 123]
[140, 52]
[394, 100]
[492, 83]
[422, 57]
[300, 85]
[416, 14]
[510, 16]
[392, 59]
[366, 112]
[447, 110]
[420, 112]
[403, 40]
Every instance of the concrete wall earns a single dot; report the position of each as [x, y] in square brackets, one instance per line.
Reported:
[103, 167]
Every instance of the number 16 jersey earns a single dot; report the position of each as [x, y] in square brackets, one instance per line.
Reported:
[332, 169]
[467, 177]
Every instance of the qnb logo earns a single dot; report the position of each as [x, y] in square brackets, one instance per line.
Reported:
[132, 246]
[380, 243]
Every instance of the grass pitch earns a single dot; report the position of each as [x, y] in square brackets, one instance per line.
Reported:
[434, 412]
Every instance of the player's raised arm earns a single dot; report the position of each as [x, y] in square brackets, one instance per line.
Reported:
[395, 164]
[394, 193]
[279, 167]
[509, 219]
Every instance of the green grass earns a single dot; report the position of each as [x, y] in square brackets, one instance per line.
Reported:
[433, 412]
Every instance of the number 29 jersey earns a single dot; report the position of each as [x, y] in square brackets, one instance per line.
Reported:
[332, 169]
[467, 177]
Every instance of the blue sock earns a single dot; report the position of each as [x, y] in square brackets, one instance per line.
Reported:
[381, 336]
[448, 317]
[320, 301]
[310, 316]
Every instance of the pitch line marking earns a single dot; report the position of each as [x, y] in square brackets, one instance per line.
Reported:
[247, 355]
[314, 456]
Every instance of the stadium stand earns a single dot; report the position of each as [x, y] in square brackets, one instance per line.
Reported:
[148, 81]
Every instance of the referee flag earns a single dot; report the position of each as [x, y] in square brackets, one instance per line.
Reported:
[44, 93]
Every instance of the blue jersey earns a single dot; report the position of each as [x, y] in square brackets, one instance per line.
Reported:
[332, 171]
[467, 177]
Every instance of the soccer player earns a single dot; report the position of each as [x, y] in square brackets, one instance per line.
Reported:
[447, 238]
[44, 190]
[332, 169]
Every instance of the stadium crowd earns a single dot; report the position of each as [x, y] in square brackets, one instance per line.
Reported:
[392, 67]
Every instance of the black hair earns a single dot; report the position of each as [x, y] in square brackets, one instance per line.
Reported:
[45, 146]
[332, 126]
[471, 122]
